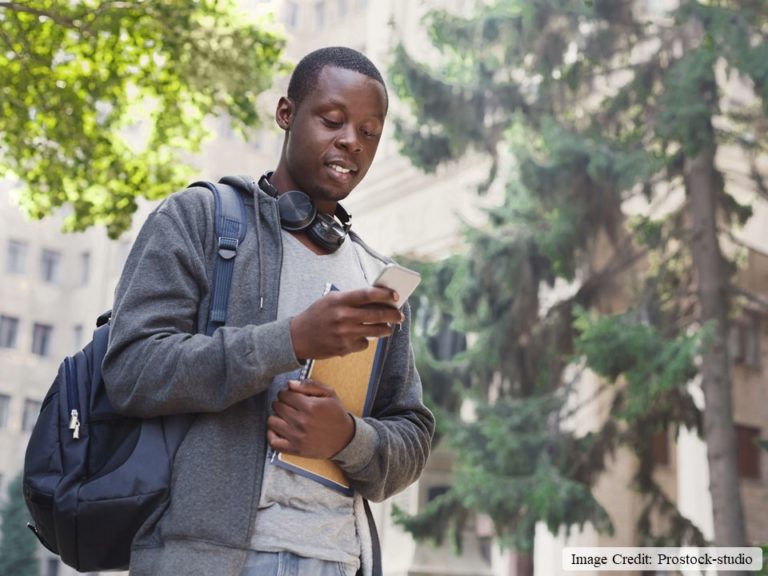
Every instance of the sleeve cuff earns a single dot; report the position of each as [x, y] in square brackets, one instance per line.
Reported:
[356, 455]
[273, 340]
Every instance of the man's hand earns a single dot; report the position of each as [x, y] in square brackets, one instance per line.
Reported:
[309, 420]
[340, 322]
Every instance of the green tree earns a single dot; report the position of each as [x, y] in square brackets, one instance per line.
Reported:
[98, 100]
[18, 548]
[593, 104]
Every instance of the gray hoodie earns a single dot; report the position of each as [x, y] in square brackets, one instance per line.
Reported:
[160, 362]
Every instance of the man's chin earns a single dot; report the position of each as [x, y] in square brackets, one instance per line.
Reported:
[327, 194]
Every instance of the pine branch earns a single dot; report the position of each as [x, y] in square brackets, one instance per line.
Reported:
[758, 178]
[760, 301]
[624, 258]
[573, 410]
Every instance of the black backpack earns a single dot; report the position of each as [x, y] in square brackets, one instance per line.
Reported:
[93, 477]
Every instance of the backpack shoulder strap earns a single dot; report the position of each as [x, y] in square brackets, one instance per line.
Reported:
[230, 225]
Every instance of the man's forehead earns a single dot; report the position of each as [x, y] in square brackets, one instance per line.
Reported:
[334, 83]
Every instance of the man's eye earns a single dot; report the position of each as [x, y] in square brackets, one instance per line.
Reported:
[331, 123]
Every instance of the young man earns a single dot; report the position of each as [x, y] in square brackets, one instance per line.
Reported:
[231, 510]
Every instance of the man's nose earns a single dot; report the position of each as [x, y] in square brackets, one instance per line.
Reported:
[349, 139]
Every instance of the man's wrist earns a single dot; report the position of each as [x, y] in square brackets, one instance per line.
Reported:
[350, 435]
[358, 453]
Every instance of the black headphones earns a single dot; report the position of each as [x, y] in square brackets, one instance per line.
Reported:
[298, 213]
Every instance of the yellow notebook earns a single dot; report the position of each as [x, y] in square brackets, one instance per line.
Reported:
[354, 378]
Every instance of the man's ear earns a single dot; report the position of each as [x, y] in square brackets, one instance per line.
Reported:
[284, 113]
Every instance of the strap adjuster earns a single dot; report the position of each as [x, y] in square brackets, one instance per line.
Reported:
[228, 247]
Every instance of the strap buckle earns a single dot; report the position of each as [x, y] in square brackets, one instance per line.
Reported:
[228, 247]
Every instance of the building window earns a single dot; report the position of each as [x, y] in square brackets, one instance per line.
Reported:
[5, 404]
[744, 344]
[9, 328]
[291, 15]
[748, 451]
[31, 411]
[16, 257]
[435, 491]
[85, 268]
[49, 266]
[41, 339]
[319, 15]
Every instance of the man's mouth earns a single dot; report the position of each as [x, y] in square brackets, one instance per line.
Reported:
[340, 169]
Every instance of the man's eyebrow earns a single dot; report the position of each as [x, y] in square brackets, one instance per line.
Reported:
[333, 102]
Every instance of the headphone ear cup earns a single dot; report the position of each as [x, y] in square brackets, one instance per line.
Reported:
[326, 232]
[296, 210]
[298, 213]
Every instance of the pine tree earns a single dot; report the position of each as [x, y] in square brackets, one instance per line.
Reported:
[18, 547]
[594, 104]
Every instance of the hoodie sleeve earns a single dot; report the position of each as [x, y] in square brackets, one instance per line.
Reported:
[156, 362]
[390, 448]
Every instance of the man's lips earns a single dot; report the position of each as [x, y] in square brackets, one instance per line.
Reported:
[341, 167]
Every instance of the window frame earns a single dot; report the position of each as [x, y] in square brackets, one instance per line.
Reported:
[16, 260]
[5, 410]
[9, 332]
[30, 414]
[50, 266]
[42, 335]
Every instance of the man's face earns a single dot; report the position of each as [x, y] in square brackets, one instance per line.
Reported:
[332, 136]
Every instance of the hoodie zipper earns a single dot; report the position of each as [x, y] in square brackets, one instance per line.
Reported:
[73, 401]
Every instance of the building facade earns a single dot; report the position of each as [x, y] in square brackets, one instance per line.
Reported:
[53, 287]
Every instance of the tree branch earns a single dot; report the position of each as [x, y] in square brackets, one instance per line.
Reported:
[28, 51]
[758, 178]
[61, 20]
[8, 42]
[752, 297]
[572, 410]
[58, 18]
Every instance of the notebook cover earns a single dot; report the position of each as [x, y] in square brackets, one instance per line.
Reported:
[354, 379]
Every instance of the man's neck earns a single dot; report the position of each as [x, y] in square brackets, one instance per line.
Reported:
[304, 239]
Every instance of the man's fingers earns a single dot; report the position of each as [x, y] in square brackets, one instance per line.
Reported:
[277, 426]
[310, 388]
[380, 330]
[339, 322]
[279, 444]
[377, 314]
[289, 405]
[319, 429]
[357, 320]
[364, 296]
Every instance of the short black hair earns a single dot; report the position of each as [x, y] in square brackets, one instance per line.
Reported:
[308, 69]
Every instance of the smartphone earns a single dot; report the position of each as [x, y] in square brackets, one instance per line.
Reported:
[400, 279]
